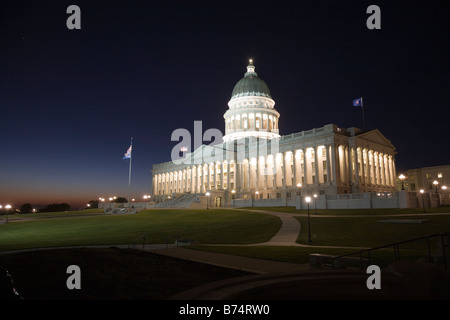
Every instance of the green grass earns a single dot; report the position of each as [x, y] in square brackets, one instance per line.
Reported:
[290, 209]
[159, 226]
[50, 215]
[367, 231]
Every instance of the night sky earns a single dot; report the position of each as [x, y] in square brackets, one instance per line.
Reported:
[70, 100]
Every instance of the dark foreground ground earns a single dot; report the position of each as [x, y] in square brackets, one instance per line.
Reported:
[106, 274]
[128, 274]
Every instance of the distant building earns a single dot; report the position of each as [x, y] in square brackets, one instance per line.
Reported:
[255, 162]
[431, 180]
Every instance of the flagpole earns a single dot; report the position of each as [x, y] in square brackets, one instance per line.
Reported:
[129, 173]
[362, 109]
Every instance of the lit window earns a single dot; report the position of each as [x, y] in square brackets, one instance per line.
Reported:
[439, 174]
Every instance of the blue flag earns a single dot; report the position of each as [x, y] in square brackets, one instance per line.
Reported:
[357, 102]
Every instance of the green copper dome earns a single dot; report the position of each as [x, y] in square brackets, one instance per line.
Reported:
[250, 85]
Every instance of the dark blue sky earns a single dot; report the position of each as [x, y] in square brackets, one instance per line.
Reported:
[70, 100]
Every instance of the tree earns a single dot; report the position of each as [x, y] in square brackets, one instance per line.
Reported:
[26, 208]
[55, 207]
[93, 204]
[120, 200]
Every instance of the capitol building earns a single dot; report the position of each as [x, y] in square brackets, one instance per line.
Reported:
[255, 162]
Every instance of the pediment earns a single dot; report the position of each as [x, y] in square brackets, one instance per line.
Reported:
[377, 137]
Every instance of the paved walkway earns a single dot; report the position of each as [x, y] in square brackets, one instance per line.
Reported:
[286, 236]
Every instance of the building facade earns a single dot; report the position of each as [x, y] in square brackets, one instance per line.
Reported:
[255, 162]
[432, 180]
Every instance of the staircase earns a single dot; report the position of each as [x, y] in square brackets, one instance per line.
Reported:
[183, 201]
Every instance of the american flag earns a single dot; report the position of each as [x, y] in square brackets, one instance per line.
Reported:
[128, 153]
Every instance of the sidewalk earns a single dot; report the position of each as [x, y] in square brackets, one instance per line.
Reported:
[253, 265]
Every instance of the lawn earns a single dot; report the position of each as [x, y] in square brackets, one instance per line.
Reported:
[159, 226]
[368, 212]
[367, 231]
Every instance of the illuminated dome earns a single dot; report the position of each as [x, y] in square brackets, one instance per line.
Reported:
[251, 110]
[250, 84]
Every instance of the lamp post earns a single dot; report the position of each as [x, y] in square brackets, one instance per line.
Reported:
[402, 177]
[207, 199]
[315, 203]
[423, 202]
[436, 183]
[7, 207]
[299, 193]
[308, 200]
[444, 188]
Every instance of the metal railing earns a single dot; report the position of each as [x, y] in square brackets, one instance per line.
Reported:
[365, 257]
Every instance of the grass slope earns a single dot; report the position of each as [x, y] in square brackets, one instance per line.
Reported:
[159, 226]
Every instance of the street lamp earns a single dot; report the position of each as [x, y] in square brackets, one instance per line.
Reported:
[402, 177]
[207, 199]
[308, 200]
[7, 207]
[299, 193]
[423, 202]
[315, 203]
[435, 182]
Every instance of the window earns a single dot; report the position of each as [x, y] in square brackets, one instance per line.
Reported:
[288, 194]
[439, 175]
[278, 195]
[428, 176]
